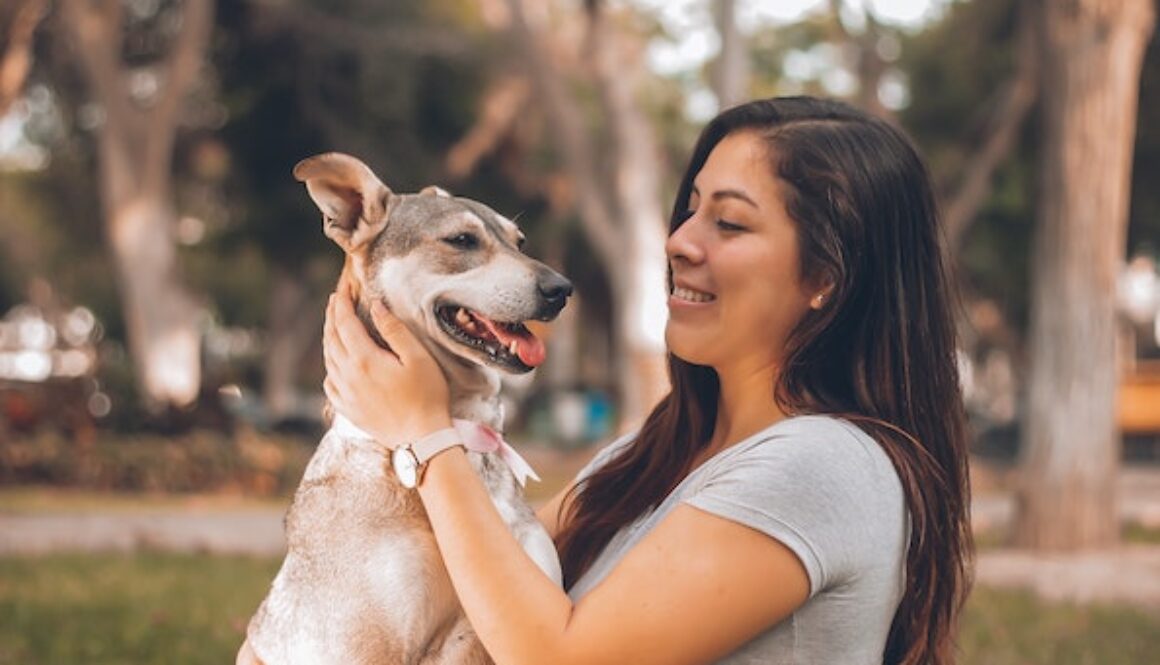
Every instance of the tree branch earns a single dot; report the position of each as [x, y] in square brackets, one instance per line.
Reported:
[595, 212]
[17, 58]
[368, 39]
[96, 32]
[180, 71]
[1015, 103]
[502, 104]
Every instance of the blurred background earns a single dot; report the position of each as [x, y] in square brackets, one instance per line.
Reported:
[163, 277]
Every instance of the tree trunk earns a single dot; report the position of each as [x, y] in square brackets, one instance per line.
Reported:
[16, 59]
[160, 318]
[1092, 54]
[135, 147]
[731, 69]
[295, 323]
[862, 52]
[621, 215]
[639, 282]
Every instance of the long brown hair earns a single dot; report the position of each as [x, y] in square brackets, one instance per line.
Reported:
[881, 353]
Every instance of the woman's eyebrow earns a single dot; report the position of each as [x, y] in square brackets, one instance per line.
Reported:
[729, 194]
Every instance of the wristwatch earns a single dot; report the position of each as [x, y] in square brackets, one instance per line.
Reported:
[410, 460]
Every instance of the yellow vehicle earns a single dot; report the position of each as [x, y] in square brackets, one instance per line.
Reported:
[1139, 409]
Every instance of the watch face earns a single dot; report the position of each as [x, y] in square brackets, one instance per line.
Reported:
[406, 467]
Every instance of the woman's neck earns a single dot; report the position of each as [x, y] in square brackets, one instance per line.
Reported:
[745, 406]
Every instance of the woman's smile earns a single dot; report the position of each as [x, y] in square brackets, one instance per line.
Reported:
[682, 296]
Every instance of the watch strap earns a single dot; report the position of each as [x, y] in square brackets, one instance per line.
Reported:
[434, 443]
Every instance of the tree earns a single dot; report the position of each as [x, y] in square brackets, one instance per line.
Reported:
[1090, 64]
[730, 73]
[17, 25]
[618, 199]
[140, 110]
[389, 82]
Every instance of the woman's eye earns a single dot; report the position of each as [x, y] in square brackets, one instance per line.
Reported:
[463, 241]
[726, 225]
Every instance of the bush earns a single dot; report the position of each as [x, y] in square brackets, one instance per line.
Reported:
[195, 461]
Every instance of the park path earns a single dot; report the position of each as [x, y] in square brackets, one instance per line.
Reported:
[1129, 573]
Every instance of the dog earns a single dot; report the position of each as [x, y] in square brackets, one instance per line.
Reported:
[363, 581]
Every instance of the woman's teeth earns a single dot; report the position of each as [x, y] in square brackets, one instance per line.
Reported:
[691, 295]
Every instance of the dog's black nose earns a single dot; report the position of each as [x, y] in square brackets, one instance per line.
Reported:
[555, 287]
[554, 291]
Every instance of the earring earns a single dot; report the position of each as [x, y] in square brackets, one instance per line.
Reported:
[818, 301]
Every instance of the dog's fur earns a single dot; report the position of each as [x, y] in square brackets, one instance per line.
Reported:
[363, 581]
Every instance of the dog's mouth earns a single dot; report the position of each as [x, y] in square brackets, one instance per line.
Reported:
[509, 345]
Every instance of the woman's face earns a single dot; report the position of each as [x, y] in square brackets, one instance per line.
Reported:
[735, 264]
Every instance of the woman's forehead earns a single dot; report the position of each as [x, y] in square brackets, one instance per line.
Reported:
[739, 166]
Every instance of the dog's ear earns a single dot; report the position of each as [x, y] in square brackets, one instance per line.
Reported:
[434, 190]
[354, 202]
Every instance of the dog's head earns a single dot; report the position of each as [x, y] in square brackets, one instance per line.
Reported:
[451, 268]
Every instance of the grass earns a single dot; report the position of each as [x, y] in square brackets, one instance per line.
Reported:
[1015, 628]
[186, 609]
[121, 609]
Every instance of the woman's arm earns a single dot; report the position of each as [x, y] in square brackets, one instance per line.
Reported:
[694, 589]
[549, 514]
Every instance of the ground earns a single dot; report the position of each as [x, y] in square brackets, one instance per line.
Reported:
[41, 521]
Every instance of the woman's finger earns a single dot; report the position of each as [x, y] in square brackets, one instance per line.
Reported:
[330, 336]
[329, 362]
[403, 343]
[355, 337]
[331, 392]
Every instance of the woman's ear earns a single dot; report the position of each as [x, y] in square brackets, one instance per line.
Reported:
[822, 296]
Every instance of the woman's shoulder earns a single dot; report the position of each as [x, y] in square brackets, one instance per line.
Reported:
[812, 455]
[818, 484]
[810, 436]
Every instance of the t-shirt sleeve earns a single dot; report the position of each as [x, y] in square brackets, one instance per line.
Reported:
[820, 486]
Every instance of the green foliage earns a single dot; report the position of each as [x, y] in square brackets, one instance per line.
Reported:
[956, 70]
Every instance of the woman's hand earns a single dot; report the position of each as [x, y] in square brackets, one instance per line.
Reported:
[396, 395]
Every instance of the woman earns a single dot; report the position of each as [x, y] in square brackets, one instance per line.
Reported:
[801, 495]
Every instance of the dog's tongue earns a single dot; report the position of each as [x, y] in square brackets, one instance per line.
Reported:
[529, 348]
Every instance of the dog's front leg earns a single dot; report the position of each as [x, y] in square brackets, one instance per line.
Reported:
[246, 655]
[462, 647]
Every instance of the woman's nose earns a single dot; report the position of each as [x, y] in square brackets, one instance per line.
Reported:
[684, 244]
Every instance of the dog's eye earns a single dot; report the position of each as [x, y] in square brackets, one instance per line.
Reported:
[463, 241]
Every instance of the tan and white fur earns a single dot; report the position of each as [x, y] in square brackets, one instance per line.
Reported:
[362, 581]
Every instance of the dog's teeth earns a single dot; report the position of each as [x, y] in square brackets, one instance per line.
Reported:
[461, 316]
[513, 347]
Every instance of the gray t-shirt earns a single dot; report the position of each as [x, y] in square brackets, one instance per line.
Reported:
[825, 489]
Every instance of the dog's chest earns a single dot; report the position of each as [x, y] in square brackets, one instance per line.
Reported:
[347, 487]
[361, 556]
